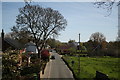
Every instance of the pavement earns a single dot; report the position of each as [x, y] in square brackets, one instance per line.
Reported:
[56, 68]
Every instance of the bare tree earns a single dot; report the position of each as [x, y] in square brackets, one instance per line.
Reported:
[97, 37]
[107, 4]
[98, 40]
[40, 23]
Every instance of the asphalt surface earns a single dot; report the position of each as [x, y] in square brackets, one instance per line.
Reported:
[56, 68]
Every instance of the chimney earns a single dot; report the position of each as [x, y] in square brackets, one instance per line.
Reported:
[2, 36]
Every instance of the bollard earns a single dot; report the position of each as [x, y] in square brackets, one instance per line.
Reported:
[72, 62]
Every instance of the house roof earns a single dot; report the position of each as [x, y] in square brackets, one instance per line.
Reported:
[13, 43]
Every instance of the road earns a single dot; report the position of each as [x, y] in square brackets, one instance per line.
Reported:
[57, 69]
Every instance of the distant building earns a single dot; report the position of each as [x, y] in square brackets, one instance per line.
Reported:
[31, 47]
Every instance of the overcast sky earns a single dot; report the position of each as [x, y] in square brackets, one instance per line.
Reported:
[82, 17]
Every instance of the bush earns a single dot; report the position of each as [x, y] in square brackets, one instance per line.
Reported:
[9, 66]
[11, 71]
[34, 68]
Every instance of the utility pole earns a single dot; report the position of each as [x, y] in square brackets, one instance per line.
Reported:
[79, 55]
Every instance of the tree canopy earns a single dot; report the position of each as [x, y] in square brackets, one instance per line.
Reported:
[107, 4]
[97, 37]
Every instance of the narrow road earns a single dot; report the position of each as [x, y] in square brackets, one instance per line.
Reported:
[57, 69]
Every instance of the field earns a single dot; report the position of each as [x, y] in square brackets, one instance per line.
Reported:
[89, 66]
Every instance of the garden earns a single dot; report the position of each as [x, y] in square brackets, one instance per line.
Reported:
[13, 70]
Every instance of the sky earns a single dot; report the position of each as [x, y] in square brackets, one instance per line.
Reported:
[57, 0]
[82, 17]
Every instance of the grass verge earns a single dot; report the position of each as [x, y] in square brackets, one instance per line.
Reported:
[89, 66]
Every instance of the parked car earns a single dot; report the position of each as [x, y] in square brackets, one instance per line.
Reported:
[52, 57]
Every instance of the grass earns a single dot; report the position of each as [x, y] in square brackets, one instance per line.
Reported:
[89, 66]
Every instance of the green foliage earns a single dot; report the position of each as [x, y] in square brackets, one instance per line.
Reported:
[89, 66]
[34, 67]
[113, 49]
[9, 65]
[89, 46]
[105, 49]
[30, 70]
[11, 71]
[71, 41]
[82, 49]
[51, 42]
[72, 50]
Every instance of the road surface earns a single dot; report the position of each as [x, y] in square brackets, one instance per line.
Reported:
[57, 69]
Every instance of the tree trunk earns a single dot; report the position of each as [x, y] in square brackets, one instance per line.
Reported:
[39, 52]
